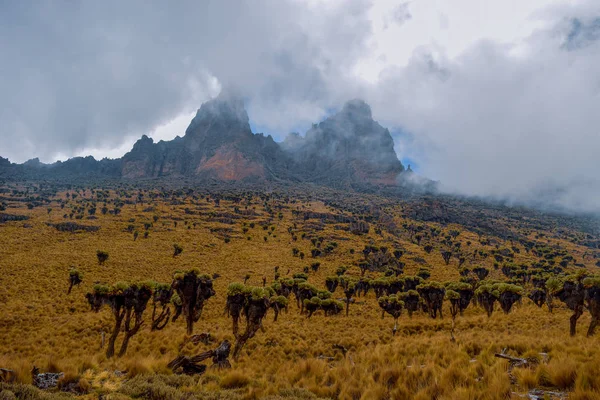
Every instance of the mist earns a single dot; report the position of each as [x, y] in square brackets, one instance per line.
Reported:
[512, 119]
[514, 123]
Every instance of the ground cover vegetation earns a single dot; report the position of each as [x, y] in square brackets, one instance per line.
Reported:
[299, 292]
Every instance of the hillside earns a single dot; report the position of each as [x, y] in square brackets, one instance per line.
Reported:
[237, 233]
[348, 148]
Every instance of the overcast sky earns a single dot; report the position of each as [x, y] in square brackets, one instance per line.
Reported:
[494, 97]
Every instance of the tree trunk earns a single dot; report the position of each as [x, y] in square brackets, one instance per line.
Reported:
[549, 303]
[239, 344]
[236, 328]
[189, 319]
[162, 320]
[110, 349]
[573, 320]
[124, 345]
[593, 325]
[347, 306]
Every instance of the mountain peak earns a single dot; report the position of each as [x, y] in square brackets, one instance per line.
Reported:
[358, 108]
[348, 147]
[142, 142]
[34, 162]
[226, 110]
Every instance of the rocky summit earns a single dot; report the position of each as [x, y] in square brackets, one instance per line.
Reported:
[349, 147]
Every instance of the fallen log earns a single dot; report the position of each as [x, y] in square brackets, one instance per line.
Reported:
[513, 360]
[185, 365]
[191, 365]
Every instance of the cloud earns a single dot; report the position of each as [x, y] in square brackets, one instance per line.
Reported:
[518, 123]
[497, 100]
[91, 75]
[399, 15]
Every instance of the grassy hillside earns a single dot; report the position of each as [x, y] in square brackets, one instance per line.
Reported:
[241, 234]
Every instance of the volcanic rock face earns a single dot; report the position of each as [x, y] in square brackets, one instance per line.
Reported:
[347, 148]
[218, 143]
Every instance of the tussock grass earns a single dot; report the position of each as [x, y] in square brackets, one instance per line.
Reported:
[294, 357]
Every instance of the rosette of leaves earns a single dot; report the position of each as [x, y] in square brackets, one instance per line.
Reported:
[380, 286]
[432, 294]
[331, 306]
[75, 278]
[161, 299]
[312, 305]
[591, 287]
[411, 282]
[236, 301]
[487, 297]
[411, 301]
[508, 295]
[194, 289]
[300, 276]
[331, 283]
[349, 291]
[571, 291]
[277, 303]
[454, 298]
[287, 286]
[395, 284]
[465, 292]
[305, 291]
[551, 286]
[127, 303]
[424, 273]
[538, 296]
[392, 305]
[255, 307]
[481, 272]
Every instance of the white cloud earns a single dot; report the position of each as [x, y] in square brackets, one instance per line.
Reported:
[494, 97]
[495, 122]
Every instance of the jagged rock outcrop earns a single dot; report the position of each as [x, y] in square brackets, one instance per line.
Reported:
[347, 148]
[77, 167]
[218, 143]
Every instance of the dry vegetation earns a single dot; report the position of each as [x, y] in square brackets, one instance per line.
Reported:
[52, 259]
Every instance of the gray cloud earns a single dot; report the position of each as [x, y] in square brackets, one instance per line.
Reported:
[92, 74]
[518, 122]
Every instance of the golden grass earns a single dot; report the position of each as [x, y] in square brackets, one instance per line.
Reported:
[41, 325]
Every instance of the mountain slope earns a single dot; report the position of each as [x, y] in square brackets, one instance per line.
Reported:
[347, 148]
[218, 143]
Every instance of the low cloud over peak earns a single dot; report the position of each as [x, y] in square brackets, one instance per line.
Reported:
[513, 117]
